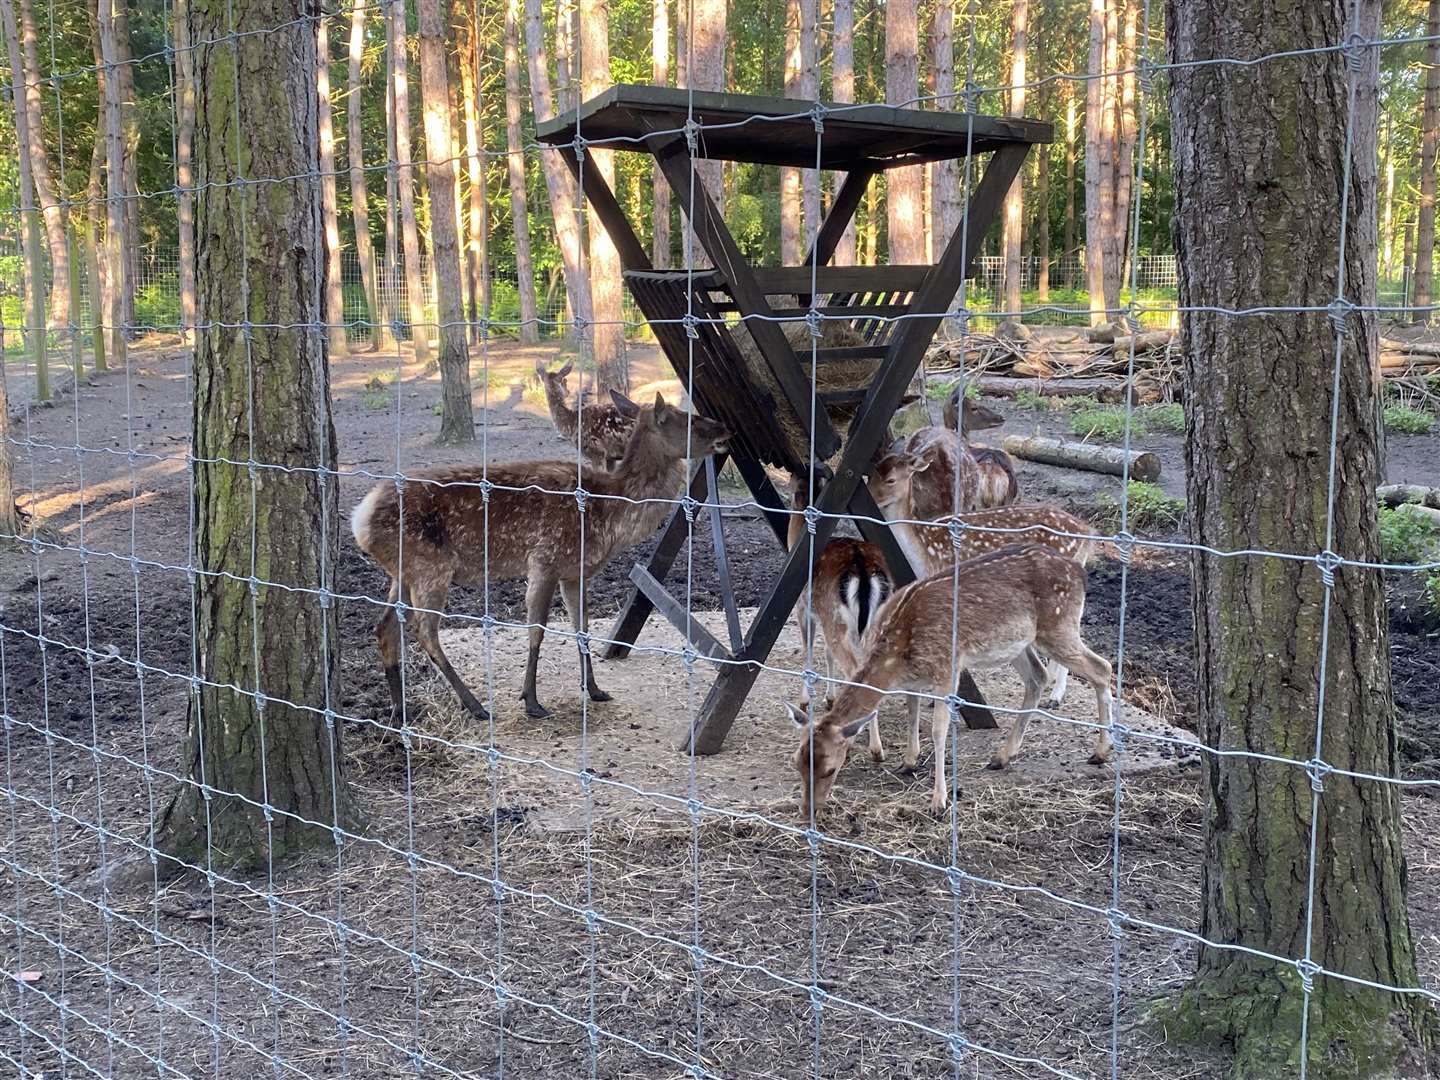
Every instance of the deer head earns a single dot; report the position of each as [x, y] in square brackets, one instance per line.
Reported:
[890, 480]
[673, 432]
[977, 417]
[822, 753]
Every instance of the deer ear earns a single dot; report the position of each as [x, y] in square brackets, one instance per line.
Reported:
[854, 728]
[798, 717]
[624, 404]
[660, 404]
[564, 371]
[918, 464]
[540, 368]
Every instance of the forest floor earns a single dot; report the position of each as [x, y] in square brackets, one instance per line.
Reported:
[1019, 951]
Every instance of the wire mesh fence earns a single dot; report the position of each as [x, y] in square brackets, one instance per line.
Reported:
[503, 894]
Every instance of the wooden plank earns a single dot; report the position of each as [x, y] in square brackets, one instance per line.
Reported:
[904, 277]
[851, 311]
[722, 560]
[700, 639]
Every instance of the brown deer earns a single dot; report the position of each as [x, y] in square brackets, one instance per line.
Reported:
[606, 428]
[442, 534]
[1012, 602]
[953, 470]
[995, 480]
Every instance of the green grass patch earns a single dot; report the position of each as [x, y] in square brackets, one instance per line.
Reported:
[1105, 422]
[1150, 508]
[1404, 420]
[1404, 537]
[1167, 418]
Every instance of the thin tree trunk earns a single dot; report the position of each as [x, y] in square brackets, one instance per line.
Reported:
[1125, 130]
[1072, 134]
[376, 309]
[842, 81]
[707, 72]
[612, 372]
[515, 167]
[95, 196]
[10, 522]
[810, 91]
[558, 182]
[1040, 224]
[1259, 622]
[946, 193]
[31, 233]
[904, 200]
[457, 420]
[1098, 204]
[46, 192]
[329, 196]
[116, 225]
[184, 166]
[129, 108]
[683, 44]
[1429, 143]
[260, 394]
[398, 43]
[790, 178]
[1387, 217]
[660, 190]
[389, 285]
[565, 88]
[477, 255]
[1015, 198]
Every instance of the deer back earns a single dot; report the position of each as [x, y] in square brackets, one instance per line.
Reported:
[947, 457]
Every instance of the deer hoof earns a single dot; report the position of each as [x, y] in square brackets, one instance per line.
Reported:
[536, 711]
[939, 803]
[600, 695]
[1096, 759]
[478, 711]
[996, 764]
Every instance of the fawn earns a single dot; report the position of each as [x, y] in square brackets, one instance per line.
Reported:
[995, 481]
[448, 535]
[1012, 602]
[607, 428]
[950, 455]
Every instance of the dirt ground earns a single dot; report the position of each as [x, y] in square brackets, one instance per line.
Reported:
[585, 811]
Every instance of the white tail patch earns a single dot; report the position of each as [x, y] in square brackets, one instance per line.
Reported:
[361, 516]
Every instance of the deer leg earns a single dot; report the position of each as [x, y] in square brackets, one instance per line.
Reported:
[912, 743]
[387, 638]
[539, 594]
[574, 604]
[1058, 676]
[1095, 670]
[1032, 674]
[939, 729]
[429, 601]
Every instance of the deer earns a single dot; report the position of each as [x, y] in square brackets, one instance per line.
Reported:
[1013, 604]
[996, 483]
[447, 532]
[954, 468]
[605, 429]
[934, 548]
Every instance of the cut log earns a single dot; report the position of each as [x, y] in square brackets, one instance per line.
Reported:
[1400, 361]
[1154, 339]
[1072, 455]
[1414, 348]
[1105, 333]
[1397, 494]
[1111, 391]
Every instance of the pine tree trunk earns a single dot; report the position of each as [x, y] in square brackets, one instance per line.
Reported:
[1114, 226]
[376, 309]
[903, 197]
[9, 516]
[477, 254]
[1125, 132]
[1258, 620]
[1015, 198]
[842, 82]
[707, 72]
[558, 182]
[1098, 203]
[790, 178]
[1072, 134]
[31, 229]
[116, 223]
[612, 371]
[946, 194]
[457, 420]
[129, 108]
[565, 88]
[184, 167]
[397, 46]
[389, 284]
[94, 215]
[46, 192]
[515, 166]
[1429, 143]
[261, 396]
[810, 91]
[659, 189]
[329, 196]
[683, 44]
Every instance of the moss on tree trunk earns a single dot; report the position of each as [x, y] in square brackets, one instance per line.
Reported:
[261, 394]
[1260, 169]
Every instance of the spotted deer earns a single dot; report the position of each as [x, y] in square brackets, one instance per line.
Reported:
[606, 428]
[954, 472]
[995, 480]
[1013, 604]
[444, 533]
[934, 548]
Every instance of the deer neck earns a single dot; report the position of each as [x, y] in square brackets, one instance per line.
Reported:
[901, 514]
[564, 417]
[648, 472]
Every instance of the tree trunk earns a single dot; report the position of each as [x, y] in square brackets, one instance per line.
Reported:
[515, 168]
[388, 284]
[46, 192]
[129, 109]
[904, 209]
[946, 192]
[1040, 225]
[477, 254]
[184, 170]
[1015, 198]
[790, 178]
[1429, 143]
[116, 224]
[842, 82]
[1123, 129]
[1072, 132]
[612, 372]
[660, 190]
[31, 233]
[397, 45]
[376, 309]
[1259, 620]
[1387, 214]
[558, 182]
[10, 522]
[707, 72]
[810, 91]
[329, 196]
[565, 88]
[457, 419]
[95, 196]
[261, 395]
[1098, 203]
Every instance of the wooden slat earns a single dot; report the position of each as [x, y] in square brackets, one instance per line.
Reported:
[796, 279]
[700, 639]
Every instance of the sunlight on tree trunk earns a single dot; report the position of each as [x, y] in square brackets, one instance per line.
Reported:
[116, 225]
[659, 189]
[397, 45]
[184, 166]
[790, 178]
[904, 198]
[477, 239]
[46, 192]
[1429, 143]
[329, 196]
[377, 310]
[1098, 171]
[515, 168]
[1015, 198]
[842, 81]
[31, 239]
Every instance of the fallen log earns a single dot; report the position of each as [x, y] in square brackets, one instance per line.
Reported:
[1072, 455]
[1109, 391]
[1413, 348]
[1153, 339]
[1393, 495]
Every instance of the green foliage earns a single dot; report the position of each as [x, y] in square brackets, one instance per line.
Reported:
[158, 306]
[1404, 537]
[377, 396]
[1404, 420]
[1028, 399]
[1167, 418]
[1149, 507]
[1104, 422]
[1430, 593]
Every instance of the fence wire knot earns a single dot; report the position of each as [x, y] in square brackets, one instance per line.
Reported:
[817, 116]
[689, 505]
[582, 642]
[692, 134]
[1339, 313]
[1116, 920]
[1307, 969]
[578, 144]
[1132, 322]
[692, 326]
[581, 497]
[688, 656]
[956, 877]
[958, 1045]
[812, 519]
[1118, 733]
[1328, 562]
[1317, 769]
[486, 487]
[957, 533]
[953, 703]
[1357, 52]
[1124, 546]
[970, 95]
[811, 678]
[697, 957]
[1145, 75]
[818, 997]
[814, 322]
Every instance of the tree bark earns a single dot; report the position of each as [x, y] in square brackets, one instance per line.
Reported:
[260, 394]
[388, 284]
[904, 209]
[477, 254]
[376, 309]
[1124, 130]
[810, 91]
[184, 167]
[129, 109]
[1429, 143]
[95, 212]
[946, 192]
[1072, 130]
[116, 223]
[1098, 173]
[457, 418]
[707, 29]
[1015, 198]
[1259, 620]
[31, 233]
[515, 168]
[46, 192]
[10, 521]
[612, 371]
[660, 190]
[790, 178]
[565, 88]
[842, 82]
[558, 182]
[397, 46]
[329, 196]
